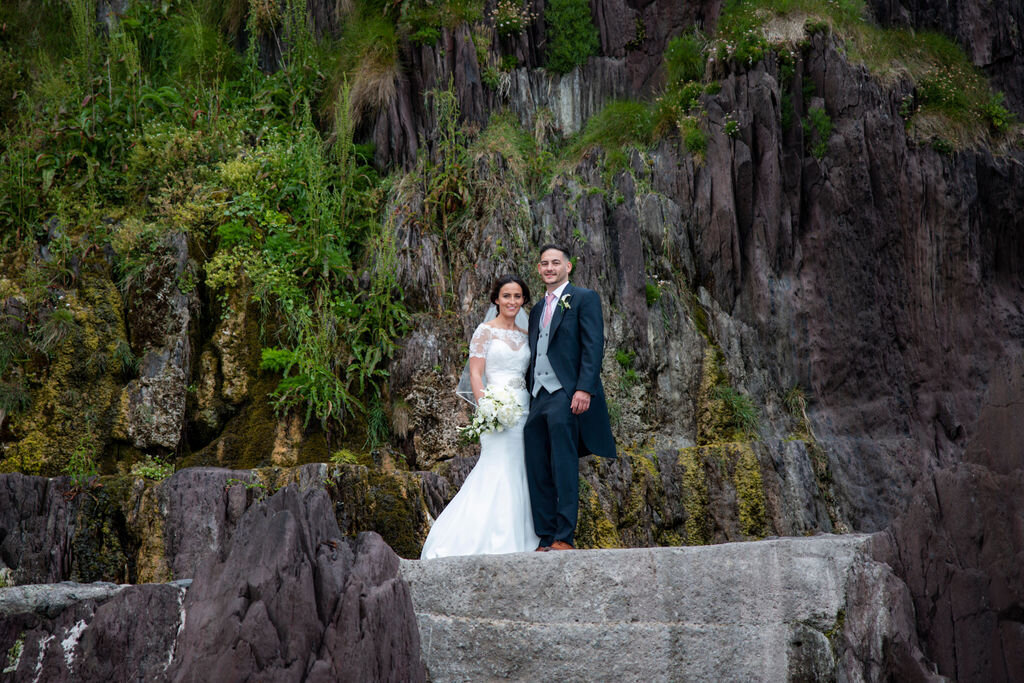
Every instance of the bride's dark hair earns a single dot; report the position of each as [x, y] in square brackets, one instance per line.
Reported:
[508, 279]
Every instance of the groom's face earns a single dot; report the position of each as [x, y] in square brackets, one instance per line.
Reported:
[554, 268]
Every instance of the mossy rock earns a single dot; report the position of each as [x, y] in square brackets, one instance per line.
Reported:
[247, 440]
[75, 395]
[595, 528]
[389, 503]
[725, 499]
[714, 418]
[104, 548]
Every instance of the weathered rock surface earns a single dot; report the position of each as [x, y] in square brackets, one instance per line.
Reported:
[160, 320]
[289, 599]
[960, 549]
[286, 599]
[36, 529]
[89, 632]
[769, 610]
[199, 509]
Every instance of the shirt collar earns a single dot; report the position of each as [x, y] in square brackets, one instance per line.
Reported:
[561, 288]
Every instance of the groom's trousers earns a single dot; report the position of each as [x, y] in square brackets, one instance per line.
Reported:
[551, 438]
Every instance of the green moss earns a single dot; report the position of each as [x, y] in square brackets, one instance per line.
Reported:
[594, 529]
[14, 655]
[746, 478]
[645, 491]
[695, 483]
[721, 467]
[247, 440]
[700, 318]
[103, 547]
[833, 634]
[147, 524]
[390, 503]
[714, 419]
[394, 510]
[75, 396]
[670, 538]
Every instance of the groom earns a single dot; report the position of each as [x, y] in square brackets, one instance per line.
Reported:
[568, 415]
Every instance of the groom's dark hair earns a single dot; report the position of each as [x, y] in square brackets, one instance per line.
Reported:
[552, 245]
[507, 279]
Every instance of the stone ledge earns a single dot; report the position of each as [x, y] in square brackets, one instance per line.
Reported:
[737, 611]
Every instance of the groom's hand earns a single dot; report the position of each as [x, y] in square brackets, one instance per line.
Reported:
[580, 403]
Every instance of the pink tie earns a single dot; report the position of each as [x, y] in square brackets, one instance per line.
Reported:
[549, 308]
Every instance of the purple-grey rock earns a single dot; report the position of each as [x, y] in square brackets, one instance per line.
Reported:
[89, 632]
[289, 600]
[36, 528]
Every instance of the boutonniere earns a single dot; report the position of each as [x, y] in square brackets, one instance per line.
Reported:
[563, 303]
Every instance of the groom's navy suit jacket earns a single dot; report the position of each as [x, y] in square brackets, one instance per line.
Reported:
[575, 349]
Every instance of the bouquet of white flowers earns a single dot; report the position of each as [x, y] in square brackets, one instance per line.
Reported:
[496, 410]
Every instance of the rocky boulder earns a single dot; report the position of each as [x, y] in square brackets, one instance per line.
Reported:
[160, 319]
[89, 632]
[960, 547]
[290, 600]
[286, 599]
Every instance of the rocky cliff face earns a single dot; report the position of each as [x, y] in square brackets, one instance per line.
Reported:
[797, 341]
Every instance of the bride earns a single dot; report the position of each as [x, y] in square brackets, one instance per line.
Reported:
[491, 512]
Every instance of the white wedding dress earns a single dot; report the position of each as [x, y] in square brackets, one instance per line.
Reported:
[491, 512]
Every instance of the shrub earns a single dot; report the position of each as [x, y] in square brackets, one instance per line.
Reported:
[58, 326]
[511, 18]
[684, 59]
[152, 468]
[732, 126]
[620, 124]
[694, 139]
[817, 128]
[653, 293]
[744, 414]
[572, 36]
[81, 466]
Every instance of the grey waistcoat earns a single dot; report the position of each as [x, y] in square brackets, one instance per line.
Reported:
[543, 373]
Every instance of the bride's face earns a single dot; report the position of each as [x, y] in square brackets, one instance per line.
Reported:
[510, 299]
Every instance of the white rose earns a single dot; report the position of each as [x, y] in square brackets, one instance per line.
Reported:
[487, 408]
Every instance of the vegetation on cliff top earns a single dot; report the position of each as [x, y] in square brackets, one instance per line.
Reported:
[952, 104]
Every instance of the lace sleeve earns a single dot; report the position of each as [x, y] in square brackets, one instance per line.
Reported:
[480, 341]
